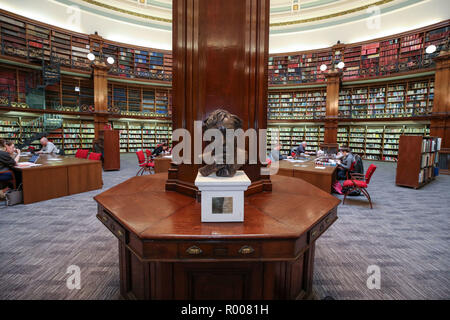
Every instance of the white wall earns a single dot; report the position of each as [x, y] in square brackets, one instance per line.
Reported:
[424, 13]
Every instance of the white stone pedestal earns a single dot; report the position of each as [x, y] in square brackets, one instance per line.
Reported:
[223, 197]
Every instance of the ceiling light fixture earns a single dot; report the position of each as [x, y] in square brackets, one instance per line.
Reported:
[110, 60]
[430, 49]
[323, 67]
[91, 56]
[341, 65]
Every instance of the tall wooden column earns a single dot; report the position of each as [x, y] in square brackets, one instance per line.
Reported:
[100, 73]
[331, 120]
[220, 53]
[440, 124]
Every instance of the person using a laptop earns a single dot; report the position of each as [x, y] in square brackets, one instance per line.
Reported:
[7, 161]
[47, 146]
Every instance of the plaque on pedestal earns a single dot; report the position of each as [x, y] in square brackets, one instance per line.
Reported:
[223, 197]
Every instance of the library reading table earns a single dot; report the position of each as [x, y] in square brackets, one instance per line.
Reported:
[321, 178]
[166, 252]
[162, 163]
[58, 176]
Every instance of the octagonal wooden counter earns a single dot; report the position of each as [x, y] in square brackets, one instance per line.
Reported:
[165, 252]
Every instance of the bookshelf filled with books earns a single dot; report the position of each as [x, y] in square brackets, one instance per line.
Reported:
[377, 141]
[136, 62]
[140, 100]
[73, 134]
[412, 98]
[379, 57]
[297, 105]
[136, 136]
[417, 161]
[70, 94]
[291, 135]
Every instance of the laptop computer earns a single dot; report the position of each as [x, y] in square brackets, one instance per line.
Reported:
[34, 158]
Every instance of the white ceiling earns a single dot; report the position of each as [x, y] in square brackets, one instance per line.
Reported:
[318, 24]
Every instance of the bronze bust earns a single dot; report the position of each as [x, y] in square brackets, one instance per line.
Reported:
[222, 120]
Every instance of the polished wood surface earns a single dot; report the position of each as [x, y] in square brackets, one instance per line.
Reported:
[166, 252]
[440, 126]
[321, 178]
[333, 78]
[225, 67]
[58, 178]
[111, 150]
[409, 161]
[162, 164]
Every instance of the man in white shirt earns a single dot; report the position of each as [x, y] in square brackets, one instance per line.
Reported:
[47, 146]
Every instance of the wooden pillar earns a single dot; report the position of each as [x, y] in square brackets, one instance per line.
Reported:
[220, 55]
[440, 122]
[100, 73]
[331, 120]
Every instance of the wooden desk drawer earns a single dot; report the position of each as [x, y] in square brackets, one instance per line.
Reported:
[217, 250]
[111, 224]
[323, 224]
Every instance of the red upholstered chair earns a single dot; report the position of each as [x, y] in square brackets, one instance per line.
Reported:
[82, 153]
[13, 177]
[148, 154]
[145, 166]
[349, 171]
[95, 156]
[360, 182]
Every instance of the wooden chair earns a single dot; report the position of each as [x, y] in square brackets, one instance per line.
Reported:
[13, 177]
[82, 153]
[144, 164]
[95, 156]
[360, 182]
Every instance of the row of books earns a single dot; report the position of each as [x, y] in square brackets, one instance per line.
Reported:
[377, 142]
[134, 137]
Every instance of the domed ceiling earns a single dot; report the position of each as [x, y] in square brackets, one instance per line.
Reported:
[294, 24]
[285, 15]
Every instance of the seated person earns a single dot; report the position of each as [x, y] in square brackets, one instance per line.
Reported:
[320, 153]
[345, 164]
[339, 155]
[300, 149]
[275, 154]
[97, 146]
[47, 146]
[159, 149]
[7, 162]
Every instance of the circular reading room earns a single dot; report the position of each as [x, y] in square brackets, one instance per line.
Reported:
[224, 150]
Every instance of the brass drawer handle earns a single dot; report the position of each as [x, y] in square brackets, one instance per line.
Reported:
[104, 218]
[194, 250]
[313, 233]
[119, 233]
[327, 220]
[246, 250]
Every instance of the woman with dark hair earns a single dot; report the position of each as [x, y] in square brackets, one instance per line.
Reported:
[7, 162]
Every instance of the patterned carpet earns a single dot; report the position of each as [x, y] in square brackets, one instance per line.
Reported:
[406, 234]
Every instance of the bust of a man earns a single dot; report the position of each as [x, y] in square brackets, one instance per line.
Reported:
[222, 120]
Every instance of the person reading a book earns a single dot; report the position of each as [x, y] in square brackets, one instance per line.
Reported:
[345, 163]
[160, 149]
[9, 157]
[47, 146]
